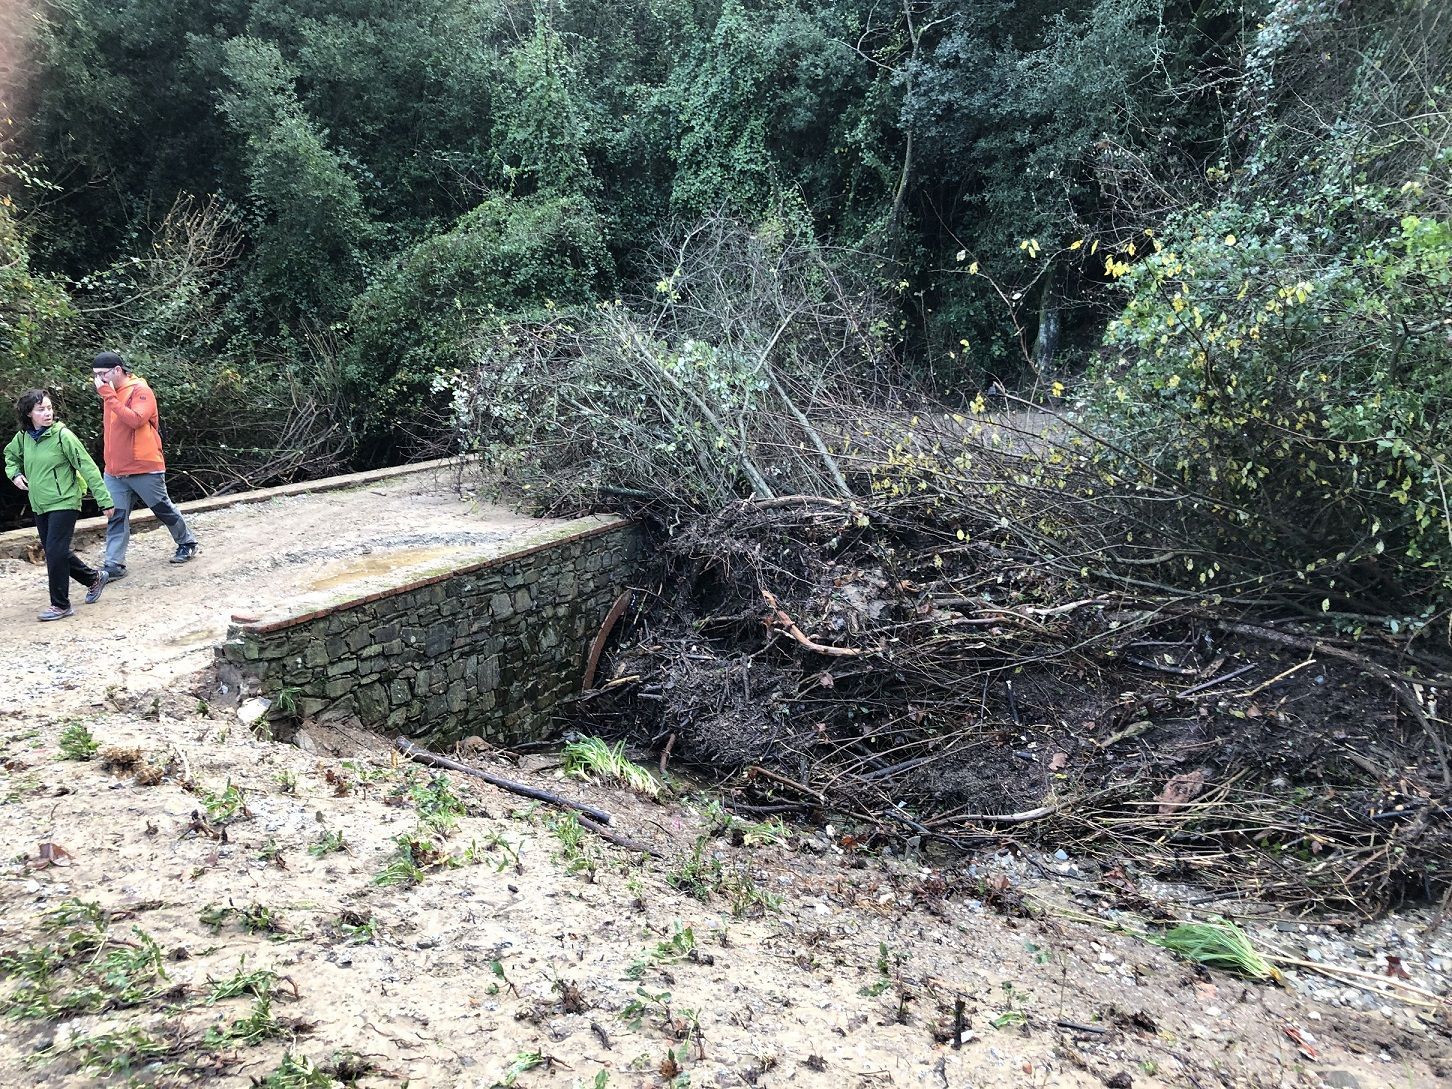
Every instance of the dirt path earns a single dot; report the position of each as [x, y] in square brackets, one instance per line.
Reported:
[252, 901]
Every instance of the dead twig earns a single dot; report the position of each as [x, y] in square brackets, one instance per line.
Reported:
[781, 622]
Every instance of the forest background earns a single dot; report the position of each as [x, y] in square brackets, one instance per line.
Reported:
[1215, 234]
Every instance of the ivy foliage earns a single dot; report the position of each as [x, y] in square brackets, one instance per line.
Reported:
[421, 318]
[34, 308]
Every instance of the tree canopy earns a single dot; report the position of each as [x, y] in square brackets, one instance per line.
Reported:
[1223, 226]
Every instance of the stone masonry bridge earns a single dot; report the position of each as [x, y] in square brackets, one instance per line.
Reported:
[391, 598]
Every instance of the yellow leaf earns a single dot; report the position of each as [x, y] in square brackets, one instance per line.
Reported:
[1076, 244]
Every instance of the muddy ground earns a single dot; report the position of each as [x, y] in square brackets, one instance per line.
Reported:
[519, 959]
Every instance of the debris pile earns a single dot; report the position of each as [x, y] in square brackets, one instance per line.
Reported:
[906, 670]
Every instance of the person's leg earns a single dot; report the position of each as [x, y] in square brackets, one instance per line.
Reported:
[151, 487]
[118, 527]
[56, 529]
[79, 570]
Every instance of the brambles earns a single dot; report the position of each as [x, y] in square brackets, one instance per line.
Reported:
[230, 805]
[439, 806]
[701, 875]
[257, 1026]
[357, 927]
[328, 842]
[256, 983]
[681, 945]
[120, 1054]
[256, 919]
[578, 850]
[297, 1072]
[412, 858]
[522, 1063]
[1015, 1007]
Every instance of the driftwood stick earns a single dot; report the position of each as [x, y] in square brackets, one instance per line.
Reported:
[1007, 818]
[617, 839]
[433, 759]
[1213, 681]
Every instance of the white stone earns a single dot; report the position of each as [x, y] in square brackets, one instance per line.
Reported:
[253, 710]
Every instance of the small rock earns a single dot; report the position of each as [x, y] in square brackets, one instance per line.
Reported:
[253, 710]
[1121, 1080]
[1061, 855]
[1339, 1079]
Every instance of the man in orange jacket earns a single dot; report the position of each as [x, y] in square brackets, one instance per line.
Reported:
[135, 470]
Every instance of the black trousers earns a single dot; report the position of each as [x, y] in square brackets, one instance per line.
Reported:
[61, 563]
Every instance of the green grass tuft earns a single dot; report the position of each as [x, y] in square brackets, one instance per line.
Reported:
[593, 758]
[1219, 944]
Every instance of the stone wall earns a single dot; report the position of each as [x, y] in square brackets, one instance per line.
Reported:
[491, 648]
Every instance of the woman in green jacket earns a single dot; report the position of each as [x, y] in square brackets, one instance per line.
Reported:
[46, 460]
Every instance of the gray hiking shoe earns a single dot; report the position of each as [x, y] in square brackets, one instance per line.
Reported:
[93, 594]
[52, 613]
[185, 553]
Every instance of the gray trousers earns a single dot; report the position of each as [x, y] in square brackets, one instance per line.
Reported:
[139, 490]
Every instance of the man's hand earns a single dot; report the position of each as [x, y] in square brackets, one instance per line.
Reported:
[96, 378]
[21, 482]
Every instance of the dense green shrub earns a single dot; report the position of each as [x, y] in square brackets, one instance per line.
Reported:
[508, 257]
[1284, 360]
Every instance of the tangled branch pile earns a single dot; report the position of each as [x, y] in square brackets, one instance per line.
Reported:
[960, 626]
[917, 673]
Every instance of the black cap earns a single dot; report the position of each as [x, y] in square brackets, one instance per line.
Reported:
[107, 361]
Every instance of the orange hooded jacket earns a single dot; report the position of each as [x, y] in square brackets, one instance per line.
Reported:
[132, 443]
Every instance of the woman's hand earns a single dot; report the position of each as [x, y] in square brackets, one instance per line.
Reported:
[108, 512]
[21, 482]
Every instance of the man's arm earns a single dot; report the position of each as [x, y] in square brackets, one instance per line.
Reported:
[136, 410]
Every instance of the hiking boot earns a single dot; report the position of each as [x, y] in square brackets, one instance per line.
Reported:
[114, 573]
[93, 594]
[185, 553]
[53, 613]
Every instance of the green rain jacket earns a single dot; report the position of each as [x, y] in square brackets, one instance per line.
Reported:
[57, 469]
